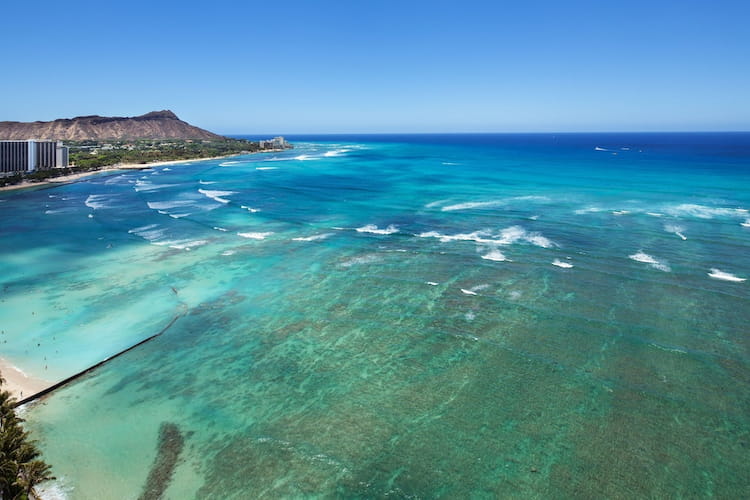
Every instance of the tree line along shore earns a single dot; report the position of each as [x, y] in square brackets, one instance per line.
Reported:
[93, 155]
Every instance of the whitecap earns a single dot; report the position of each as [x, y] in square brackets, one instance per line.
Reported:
[470, 316]
[168, 204]
[146, 186]
[178, 216]
[217, 195]
[336, 152]
[678, 230]
[220, 229]
[250, 209]
[266, 168]
[507, 236]
[721, 275]
[98, 201]
[255, 236]
[431, 283]
[597, 148]
[435, 203]
[620, 212]
[228, 252]
[315, 237]
[648, 259]
[205, 183]
[704, 212]
[562, 263]
[473, 204]
[151, 232]
[181, 244]
[468, 292]
[746, 223]
[495, 255]
[372, 228]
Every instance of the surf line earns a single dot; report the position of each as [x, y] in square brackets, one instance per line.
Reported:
[90, 369]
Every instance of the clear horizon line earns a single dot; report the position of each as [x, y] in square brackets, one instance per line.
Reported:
[502, 133]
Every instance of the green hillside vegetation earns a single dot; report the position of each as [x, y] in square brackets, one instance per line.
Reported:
[21, 469]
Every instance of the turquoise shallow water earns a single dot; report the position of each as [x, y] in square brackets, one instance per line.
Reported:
[407, 316]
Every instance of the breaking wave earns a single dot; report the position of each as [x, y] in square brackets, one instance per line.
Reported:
[217, 195]
[721, 275]
[650, 260]
[372, 228]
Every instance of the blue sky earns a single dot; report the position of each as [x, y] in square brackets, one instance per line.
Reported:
[386, 66]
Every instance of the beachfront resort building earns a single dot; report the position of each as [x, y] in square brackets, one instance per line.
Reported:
[29, 156]
[275, 143]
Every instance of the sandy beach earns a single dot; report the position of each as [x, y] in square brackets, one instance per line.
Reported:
[18, 383]
[64, 179]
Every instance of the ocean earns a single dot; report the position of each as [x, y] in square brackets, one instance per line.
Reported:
[403, 316]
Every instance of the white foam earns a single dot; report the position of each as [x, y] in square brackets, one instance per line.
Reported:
[372, 228]
[205, 183]
[305, 158]
[721, 275]
[178, 216]
[492, 203]
[54, 490]
[435, 204]
[146, 186]
[507, 236]
[704, 212]
[255, 236]
[227, 253]
[181, 244]
[470, 316]
[620, 212]
[250, 209]
[589, 210]
[468, 292]
[217, 195]
[336, 152]
[473, 204]
[652, 261]
[495, 255]
[562, 263]
[167, 205]
[746, 223]
[220, 229]
[266, 168]
[654, 214]
[314, 237]
[597, 148]
[98, 201]
[151, 232]
[678, 230]
[91, 216]
[431, 283]
[167, 169]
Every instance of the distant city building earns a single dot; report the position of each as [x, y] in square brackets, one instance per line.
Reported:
[29, 156]
[275, 143]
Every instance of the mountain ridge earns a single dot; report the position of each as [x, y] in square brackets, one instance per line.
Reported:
[162, 124]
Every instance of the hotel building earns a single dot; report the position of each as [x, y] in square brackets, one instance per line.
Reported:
[28, 156]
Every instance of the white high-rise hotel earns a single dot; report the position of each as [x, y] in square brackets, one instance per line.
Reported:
[29, 156]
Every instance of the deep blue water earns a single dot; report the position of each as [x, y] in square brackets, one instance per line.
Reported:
[516, 315]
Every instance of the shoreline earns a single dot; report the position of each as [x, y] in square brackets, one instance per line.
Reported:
[108, 169]
[18, 384]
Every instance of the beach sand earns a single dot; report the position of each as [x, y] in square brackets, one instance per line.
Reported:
[64, 179]
[18, 383]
